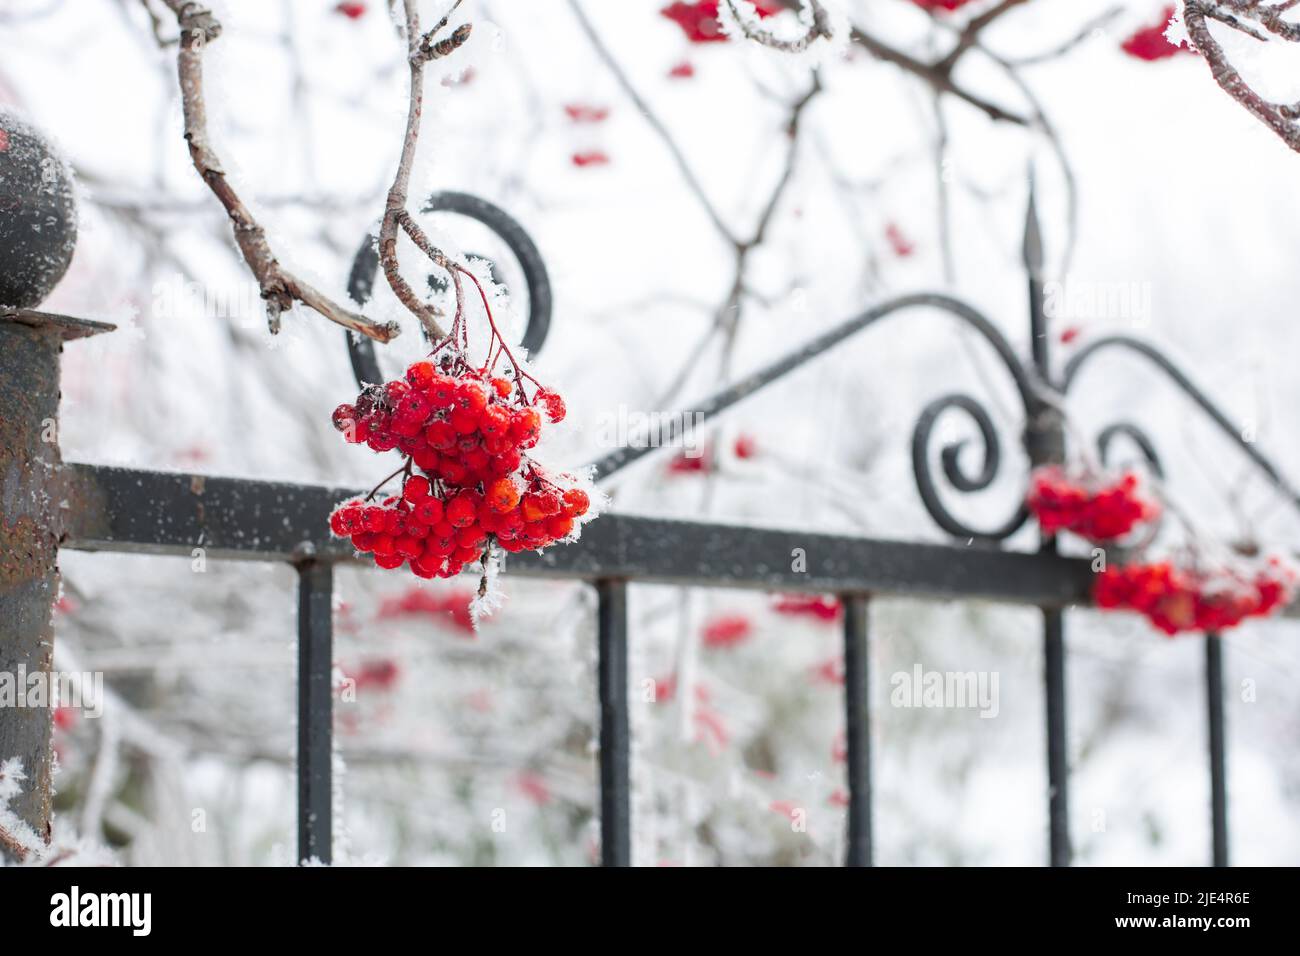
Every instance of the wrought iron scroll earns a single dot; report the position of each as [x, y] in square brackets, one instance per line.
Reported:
[365, 267]
[1189, 388]
[1036, 397]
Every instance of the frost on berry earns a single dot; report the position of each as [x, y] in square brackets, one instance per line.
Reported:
[471, 487]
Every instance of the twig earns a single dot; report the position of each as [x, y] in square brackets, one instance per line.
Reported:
[971, 33]
[1066, 46]
[1279, 117]
[692, 182]
[15, 846]
[403, 468]
[280, 288]
[420, 50]
[941, 190]
[940, 79]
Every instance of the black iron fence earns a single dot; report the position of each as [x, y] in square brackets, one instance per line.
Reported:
[47, 505]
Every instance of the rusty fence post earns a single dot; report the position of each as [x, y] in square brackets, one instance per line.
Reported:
[30, 499]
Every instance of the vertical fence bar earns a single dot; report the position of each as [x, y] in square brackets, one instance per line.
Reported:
[29, 549]
[1045, 442]
[1058, 804]
[857, 701]
[1218, 748]
[315, 710]
[615, 767]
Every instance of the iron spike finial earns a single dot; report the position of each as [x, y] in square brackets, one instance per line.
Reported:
[1032, 250]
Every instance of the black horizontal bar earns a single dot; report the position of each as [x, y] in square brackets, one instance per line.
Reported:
[124, 510]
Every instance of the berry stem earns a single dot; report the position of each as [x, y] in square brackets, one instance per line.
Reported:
[406, 467]
[496, 333]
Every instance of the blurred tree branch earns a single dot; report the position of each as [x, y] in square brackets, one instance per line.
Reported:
[818, 27]
[1281, 118]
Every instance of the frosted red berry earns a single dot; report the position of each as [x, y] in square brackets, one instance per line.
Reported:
[502, 495]
[344, 417]
[470, 484]
[1096, 508]
[553, 404]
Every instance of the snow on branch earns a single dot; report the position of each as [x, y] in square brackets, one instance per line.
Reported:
[420, 50]
[1259, 21]
[743, 18]
[280, 288]
[17, 838]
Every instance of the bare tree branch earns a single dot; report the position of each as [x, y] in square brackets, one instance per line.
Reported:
[1058, 51]
[688, 174]
[971, 33]
[940, 79]
[280, 288]
[1279, 117]
[420, 50]
[11, 843]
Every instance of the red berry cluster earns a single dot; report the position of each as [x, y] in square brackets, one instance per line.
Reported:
[1099, 510]
[1177, 599]
[467, 432]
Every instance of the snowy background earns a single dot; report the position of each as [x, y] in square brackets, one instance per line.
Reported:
[1179, 194]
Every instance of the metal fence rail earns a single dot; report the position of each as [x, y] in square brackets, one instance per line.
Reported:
[130, 511]
[46, 505]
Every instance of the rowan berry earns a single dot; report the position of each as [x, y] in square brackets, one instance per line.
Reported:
[421, 375]
[440, 435]
[428, 511]
[495, 422]
[344, 417]
[415, 488]
[576, 502]
[464, 421]
[525, 427]
[502, 495]
[463, 509]
[554, 405]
